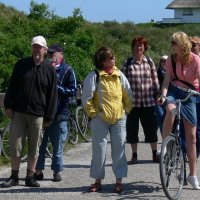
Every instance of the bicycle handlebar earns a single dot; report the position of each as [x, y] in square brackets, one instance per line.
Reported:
[191, 93]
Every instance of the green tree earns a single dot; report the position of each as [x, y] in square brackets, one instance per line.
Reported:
[40, 11]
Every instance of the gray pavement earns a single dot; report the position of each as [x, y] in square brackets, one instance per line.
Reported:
[142, 183]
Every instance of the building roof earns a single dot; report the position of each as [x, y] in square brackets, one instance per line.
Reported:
[184, 4]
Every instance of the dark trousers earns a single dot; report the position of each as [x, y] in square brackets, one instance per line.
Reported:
[146, 116]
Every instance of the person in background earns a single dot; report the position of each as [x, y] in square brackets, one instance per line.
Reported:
[196, 50]
[30, 102]
[57, 131]
[142, 76]
[195, 45]
[188, 70]
[159, 110]
[107, 98]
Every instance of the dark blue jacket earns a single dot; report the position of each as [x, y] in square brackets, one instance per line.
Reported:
[66, 86]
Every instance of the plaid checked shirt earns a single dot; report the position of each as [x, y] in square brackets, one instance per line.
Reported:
[143, 81]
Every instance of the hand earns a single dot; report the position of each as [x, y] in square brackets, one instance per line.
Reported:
[9, 113]
[161, 99]
[60, 89]
[46, 124]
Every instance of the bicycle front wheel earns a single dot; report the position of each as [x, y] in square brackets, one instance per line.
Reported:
[6, 144]
[171, 168]
[72, 131]
[83, 124]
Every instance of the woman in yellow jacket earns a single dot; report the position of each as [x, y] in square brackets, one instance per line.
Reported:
[107, 98]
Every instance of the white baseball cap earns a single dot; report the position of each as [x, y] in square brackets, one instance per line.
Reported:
[164, 57]
[39, 40]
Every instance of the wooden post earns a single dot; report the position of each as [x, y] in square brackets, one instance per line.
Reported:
[2, 95]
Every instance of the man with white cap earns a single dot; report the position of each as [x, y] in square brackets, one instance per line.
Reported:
[30, 103]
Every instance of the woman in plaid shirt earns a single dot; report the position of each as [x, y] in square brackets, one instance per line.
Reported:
[142, 76]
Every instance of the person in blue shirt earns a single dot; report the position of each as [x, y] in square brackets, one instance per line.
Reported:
[159, 110]
[57, 132]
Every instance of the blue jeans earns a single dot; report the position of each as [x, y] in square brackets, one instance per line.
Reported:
[160, 115]
[57, 133]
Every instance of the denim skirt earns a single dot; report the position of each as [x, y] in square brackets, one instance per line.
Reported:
[188, 108]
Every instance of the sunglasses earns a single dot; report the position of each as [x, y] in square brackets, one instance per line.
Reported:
[110, 58]
[50, 53]
[173, 43]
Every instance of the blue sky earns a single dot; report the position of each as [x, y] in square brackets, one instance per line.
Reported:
[137, 11]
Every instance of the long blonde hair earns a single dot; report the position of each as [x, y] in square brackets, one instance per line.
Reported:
[183, 40]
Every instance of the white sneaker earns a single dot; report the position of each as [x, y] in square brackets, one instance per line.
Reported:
[194, 182]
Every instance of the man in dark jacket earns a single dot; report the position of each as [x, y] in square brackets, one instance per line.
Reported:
[30, 102]
[57, 132]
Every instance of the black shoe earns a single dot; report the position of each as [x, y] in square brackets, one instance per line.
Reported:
[156, 158]
[38, 176]
[134, 159]
[57, 177]
[12, 181]
[31, 182]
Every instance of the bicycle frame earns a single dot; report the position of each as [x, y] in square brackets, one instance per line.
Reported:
[177, 123]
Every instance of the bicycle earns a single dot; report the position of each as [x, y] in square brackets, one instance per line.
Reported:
[82, 120]
[71, 124]
[172, 160]
[5, 145]
[83, 123]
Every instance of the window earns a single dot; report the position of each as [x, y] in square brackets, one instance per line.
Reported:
[187, 11]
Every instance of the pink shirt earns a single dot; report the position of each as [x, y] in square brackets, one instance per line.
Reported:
[188, 72]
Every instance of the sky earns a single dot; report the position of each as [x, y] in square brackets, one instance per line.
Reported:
[137, 11]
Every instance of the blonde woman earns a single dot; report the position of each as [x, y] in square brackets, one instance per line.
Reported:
[187, 76]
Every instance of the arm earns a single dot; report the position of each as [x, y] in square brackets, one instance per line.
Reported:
[198, 71]
[51, 98]
[198, 76]
[11, 90]
[165, 86]
[154, 77]
[69, 86]
[127, 96]
[89, 88]
[10, 93]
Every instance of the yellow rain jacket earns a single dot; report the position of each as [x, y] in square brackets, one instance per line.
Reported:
[109, 98]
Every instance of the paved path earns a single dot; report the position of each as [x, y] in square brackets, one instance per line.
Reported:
[142, 183]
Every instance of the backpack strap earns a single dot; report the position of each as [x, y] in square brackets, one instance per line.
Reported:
[149, 61]
[176, 77]
[128, 62]
[174, 67]
[97, 76]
